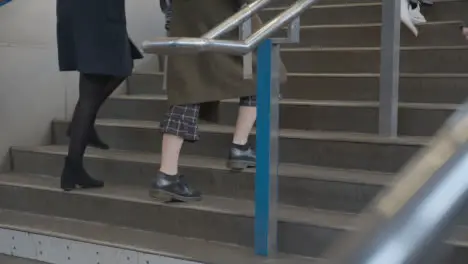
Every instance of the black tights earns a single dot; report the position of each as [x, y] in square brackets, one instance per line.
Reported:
[94, 90]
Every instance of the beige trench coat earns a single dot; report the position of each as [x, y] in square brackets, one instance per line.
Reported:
[210, 77]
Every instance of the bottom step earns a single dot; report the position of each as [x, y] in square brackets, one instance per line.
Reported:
[59, 240]
[7, 259]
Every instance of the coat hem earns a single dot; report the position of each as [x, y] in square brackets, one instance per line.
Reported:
[205, 99]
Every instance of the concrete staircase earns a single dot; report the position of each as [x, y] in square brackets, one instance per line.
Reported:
[14, 260]
[333, 162]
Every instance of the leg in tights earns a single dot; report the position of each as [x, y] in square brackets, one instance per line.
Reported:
[94, 89]
[94, 139]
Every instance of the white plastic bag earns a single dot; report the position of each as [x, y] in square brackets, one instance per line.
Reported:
[406, 18]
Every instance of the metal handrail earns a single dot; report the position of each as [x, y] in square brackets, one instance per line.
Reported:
[208, 43]
[238, 18]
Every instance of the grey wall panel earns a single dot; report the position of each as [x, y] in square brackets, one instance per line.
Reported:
[32, 91]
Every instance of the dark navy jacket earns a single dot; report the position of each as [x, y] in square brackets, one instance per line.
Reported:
[92, 37]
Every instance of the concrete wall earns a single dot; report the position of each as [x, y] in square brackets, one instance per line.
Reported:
[32, 91]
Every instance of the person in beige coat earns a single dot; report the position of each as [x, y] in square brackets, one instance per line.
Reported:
[195, 85]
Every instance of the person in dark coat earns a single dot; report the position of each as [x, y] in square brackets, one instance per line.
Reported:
[92, 39]
[195, 85]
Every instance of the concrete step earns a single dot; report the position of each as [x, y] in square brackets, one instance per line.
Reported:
[142, 83]
[299, 185]
[7, 259]
[446, 33]
[351, 12]
[414, 88]
[443, 59]
[301, 231]
[152, 227]
[415, 119]
[138, 245]
[332, 150]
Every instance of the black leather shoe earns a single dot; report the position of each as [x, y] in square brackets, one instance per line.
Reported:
[173, 188]
[241, 157]
[94, 139]
[74, 175]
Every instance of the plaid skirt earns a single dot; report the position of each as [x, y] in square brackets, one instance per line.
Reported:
[182, 120]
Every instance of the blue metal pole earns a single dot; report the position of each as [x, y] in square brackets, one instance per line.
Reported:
[266, 178]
